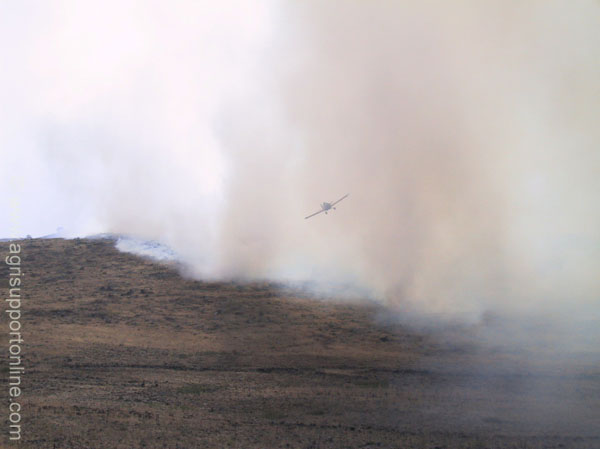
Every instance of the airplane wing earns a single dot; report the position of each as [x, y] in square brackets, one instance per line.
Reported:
[316, 213]
[334, 203]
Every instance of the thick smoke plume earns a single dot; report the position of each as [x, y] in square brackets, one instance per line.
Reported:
[466, 136]
[465, 133]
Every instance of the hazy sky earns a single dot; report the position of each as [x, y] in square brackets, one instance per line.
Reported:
[466, 133]
[102, 100]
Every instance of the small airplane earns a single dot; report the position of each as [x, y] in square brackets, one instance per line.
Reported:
[327, 206]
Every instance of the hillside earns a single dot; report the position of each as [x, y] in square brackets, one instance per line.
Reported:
[123, 352]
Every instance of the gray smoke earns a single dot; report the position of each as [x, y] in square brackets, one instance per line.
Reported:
[466, 135]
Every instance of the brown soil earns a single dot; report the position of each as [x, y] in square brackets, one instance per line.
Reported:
[122, 352]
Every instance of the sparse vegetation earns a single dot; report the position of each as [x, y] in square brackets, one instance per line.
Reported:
[371, 383]
[127, 354]
[273, 414]
[198, 389]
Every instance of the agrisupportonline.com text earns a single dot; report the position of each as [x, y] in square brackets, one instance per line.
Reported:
[15, 366]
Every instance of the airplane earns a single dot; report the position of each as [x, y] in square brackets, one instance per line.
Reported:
[327, 206]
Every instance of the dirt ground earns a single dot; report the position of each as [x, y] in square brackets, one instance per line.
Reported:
[122, 352]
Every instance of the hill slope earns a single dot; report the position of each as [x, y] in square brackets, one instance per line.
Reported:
[122, 352]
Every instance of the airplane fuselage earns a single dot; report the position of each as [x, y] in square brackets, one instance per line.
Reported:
[325, 207]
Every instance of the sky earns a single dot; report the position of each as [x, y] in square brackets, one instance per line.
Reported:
[465, 133]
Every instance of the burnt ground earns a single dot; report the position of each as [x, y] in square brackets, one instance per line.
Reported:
[122, 352]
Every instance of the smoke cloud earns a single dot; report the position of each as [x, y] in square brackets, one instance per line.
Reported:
[466, 135]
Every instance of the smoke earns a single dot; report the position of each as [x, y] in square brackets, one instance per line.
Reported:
[466, 135]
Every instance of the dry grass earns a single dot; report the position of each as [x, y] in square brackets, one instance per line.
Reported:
[122, 352]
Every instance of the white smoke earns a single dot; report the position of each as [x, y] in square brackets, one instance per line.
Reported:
[466, 134]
